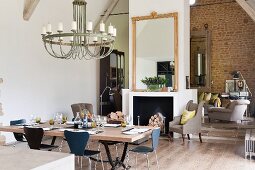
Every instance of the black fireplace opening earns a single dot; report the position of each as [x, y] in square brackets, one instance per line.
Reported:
[145, 107]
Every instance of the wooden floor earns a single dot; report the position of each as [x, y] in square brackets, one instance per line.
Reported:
[210, 155]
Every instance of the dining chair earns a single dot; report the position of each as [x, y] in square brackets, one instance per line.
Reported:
[77, 142]
[34, 137]
[18, 136]
[146, 150]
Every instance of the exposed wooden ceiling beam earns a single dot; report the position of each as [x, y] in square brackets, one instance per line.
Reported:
[106, 13]
[29, 7]
[249, 10]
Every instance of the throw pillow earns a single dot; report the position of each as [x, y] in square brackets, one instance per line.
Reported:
[213, 98]
[201, 97]
[207, 97]
[217, 102]
[187, 115]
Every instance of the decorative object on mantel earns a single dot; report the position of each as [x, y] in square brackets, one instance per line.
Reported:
[154, 84]
[81, 42]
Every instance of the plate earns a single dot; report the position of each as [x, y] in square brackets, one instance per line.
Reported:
[130, 133]
[46, 129]
[112, 125]
[70, 123]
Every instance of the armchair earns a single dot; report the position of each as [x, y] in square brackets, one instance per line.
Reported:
[193, 125]
[233, 112]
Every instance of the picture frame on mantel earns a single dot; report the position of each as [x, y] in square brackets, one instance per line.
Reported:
[139, 62]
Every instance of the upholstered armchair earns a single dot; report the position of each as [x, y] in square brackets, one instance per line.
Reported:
[192, 126]
[78, 107]
[233, 112]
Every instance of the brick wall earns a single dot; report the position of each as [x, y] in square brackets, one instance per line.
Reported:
[233, 40]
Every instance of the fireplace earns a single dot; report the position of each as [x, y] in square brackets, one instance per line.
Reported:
[147, 106]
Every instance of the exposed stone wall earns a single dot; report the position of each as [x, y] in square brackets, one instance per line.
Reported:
[2, 138]
[233, 40]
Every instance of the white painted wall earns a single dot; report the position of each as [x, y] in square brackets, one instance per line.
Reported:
[34, 82]
[145, 7]
[121, 41]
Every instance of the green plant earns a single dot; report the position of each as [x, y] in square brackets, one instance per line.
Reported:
[154, 81]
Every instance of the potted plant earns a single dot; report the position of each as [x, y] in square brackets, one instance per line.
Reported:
[154, 83]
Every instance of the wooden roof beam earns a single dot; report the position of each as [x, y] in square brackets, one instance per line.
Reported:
[106, 13]
[29, 7]
[248, 9]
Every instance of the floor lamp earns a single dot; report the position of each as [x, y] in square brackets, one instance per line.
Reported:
[238, 74]
[101, 98]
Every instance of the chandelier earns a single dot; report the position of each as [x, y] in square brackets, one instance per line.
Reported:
[81, 42]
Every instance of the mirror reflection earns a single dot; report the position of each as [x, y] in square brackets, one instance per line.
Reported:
[155, 49]
[200, 60]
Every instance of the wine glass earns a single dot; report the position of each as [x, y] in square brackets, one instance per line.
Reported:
[98, 120]
[128, 119]
[58, 118]
[103, 121]
[32, 119]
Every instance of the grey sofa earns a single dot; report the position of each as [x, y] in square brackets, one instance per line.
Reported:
[233, 112]
[192, 126]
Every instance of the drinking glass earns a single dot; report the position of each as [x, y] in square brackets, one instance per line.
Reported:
[128, 119]
[98, 120]
[58, 118]
[32, 119]
[103, 121]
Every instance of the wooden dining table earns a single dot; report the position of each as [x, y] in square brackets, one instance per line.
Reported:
[107, 136]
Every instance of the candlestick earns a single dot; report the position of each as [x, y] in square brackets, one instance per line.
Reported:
[110, 29]
[71, 39]
[74, 26]
[60, 27]
[89, 26]
[102, 27]
[114, 32]
[199, 64]
[43, 30]
[94, 39]
[49, 28]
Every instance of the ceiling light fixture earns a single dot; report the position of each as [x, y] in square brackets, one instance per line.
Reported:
[192, 2]
[81, 42]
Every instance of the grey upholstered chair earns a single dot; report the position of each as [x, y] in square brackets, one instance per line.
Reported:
[78, 107]
[192, 126]
[233, 112]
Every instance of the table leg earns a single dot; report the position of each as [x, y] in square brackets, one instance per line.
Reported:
[53, 140]
[108, 154]
[118, 161]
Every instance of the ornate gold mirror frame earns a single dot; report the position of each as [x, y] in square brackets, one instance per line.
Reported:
[155, 15]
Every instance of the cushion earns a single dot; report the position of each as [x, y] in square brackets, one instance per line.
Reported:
[217, 102]
[186, 115]
[201, 97]
[207, 97]
[213, 98]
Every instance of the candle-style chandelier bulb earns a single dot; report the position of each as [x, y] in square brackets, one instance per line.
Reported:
[81, 42]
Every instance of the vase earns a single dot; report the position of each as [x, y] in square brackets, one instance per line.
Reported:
[153, 88]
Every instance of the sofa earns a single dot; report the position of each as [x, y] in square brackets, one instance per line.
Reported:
[210, 100]
[233, 112]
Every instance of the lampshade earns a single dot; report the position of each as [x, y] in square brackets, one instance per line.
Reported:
[235, 74]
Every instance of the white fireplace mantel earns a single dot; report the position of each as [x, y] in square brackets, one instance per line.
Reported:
[180, 99]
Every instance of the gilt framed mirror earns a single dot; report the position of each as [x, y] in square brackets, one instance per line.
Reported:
[155, 49]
